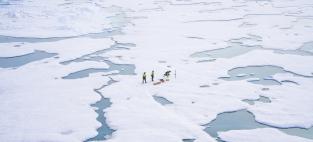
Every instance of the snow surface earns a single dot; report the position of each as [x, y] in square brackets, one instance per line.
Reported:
[38, 105]
[56, 18]
[259, 135]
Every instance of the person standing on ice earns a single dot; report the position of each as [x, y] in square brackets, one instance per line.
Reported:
[152, 75]
[144, 78]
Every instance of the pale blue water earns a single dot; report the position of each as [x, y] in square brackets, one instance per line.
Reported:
[162, 100]
[243, 45]
[308, 47]
[203, 61]
[237, 120]
[235, 48]
[17, 61]
[95, 56]
[300, 132]
[228, 52]
[265, 82]
[98, 56]
[244, 120]
[261, 74]
[104, 130]
[123, 69]
[289, 81]
[104, 34]
[262, 99]
[294, 52]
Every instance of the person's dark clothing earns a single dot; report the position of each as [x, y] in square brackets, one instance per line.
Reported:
[152, 76]
[144, 78]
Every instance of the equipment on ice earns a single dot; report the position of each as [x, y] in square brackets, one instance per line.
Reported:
[167, 74]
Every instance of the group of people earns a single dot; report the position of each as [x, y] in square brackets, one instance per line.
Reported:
[144, 76]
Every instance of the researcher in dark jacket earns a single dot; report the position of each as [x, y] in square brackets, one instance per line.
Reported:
[144, 78]
[152, 76]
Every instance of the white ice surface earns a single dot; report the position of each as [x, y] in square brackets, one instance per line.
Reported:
[40, 106]
[48, 19]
